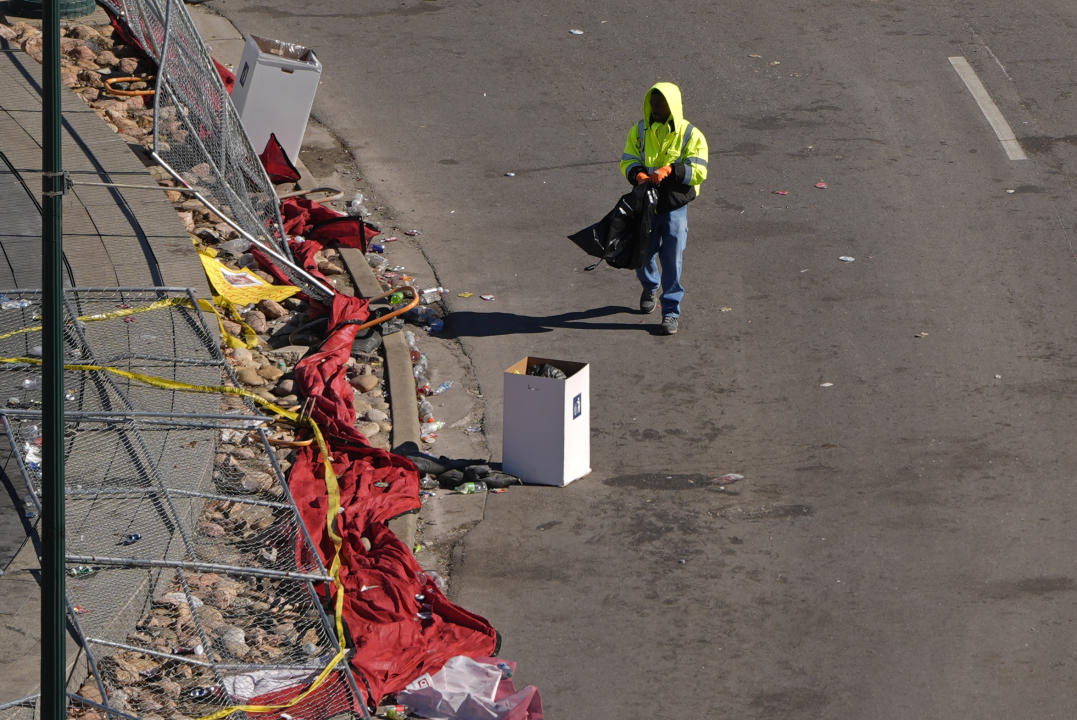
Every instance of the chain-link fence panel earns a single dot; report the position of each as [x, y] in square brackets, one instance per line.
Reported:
[192, 583]
[198, 136]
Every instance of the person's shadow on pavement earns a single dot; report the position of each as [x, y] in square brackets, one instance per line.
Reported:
[466, 323]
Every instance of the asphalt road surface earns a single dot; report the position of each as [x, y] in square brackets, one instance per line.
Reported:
[902, 543]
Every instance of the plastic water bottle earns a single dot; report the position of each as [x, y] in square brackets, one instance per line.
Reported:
[441, 388]
[426, 411]
[422, 385]
[355, 206]
[413, 347]
[470, 488]
[431, 295]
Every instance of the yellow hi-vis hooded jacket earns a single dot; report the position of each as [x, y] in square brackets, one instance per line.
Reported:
[676, 143]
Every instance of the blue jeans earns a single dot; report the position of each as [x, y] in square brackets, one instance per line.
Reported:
[669, 235]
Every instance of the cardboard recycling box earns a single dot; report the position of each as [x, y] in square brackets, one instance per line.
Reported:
[274, 92]
[546, 423]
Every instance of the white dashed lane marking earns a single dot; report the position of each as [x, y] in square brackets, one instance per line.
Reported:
[990, 110]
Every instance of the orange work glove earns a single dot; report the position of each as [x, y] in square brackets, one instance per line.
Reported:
[660, 174]
[642, 177]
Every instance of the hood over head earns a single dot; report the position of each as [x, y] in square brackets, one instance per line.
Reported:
[672, 94]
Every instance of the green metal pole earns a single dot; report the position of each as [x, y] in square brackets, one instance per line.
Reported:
[53, 617]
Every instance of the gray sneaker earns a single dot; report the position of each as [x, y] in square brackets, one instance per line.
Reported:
[670, 324]
[648, 300]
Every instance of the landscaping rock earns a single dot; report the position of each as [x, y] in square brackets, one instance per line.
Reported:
[364, 383]
[256, 319]
[272, 309]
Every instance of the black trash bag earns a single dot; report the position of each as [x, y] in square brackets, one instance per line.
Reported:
[547, 370]
[621, 237]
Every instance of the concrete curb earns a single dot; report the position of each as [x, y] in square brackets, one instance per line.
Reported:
[398, 373]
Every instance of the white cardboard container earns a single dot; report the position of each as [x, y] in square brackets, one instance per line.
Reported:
[274, 92]
[546, 423]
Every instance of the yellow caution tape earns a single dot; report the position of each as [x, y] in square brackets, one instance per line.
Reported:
[250, 337]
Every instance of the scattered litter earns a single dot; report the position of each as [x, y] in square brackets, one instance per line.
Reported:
[574, 31]
[377, 247]
[821, 185]
[998, 377]
[725, 308]
[465, 294]
[396, 712]
[847, 258]
[510, 174]
[431, 295]
[755, 55]
[488, 297]
[381, 484]
[354, 207]
[80, 610]
[730, 478]
[1010, 191]
[775, 62]
[427, 493]
[547, 370]
[826, 384]
[473, 428]
[921, 334]
[682, 561]
[472, 487]
[442, 387]
[391, 238]
[498, 491]
[412, 233]
[418, 547]
[781, 192]
[130, 539]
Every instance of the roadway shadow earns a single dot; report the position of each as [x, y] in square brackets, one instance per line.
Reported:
[467, 323]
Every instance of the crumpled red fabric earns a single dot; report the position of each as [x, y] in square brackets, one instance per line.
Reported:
[314, 221]
[277, 164]
[397, 636]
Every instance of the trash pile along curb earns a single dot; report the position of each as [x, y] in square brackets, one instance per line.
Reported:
[276, 324]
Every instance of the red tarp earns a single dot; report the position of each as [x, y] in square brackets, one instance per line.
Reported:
[397, 636]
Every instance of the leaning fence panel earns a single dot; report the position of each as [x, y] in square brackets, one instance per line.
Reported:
[199, 138]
